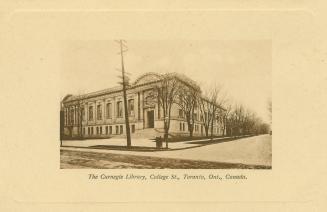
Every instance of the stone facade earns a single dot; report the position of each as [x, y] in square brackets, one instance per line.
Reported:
[101, 113]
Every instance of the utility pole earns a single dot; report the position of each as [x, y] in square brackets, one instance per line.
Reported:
[124, 83]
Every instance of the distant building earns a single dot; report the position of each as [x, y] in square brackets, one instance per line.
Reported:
[101, 113]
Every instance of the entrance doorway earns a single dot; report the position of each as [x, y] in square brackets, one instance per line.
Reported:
[150, 115]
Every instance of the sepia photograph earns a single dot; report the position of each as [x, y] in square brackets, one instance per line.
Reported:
[163, 106]
[166, 104]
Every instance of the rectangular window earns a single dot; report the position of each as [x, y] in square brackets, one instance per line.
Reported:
[83, 113]
[91, 130]
[183, 126]
[90, 113]
[65, 117]
[83, 131]
[180, 113]
[97, 130]
[131, 107]
[121, 129]
[106, 130]
[72, 118]
[99, 112]
[138, 106]
[119, 109]
[133, 128]
[117, 130]
[180, 126]
[68, 117]
[110, 130]
[108, 110]
[100, 130]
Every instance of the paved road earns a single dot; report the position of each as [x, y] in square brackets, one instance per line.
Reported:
[254, 150]
[96, 160]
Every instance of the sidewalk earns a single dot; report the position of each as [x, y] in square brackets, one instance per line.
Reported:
[136, 142]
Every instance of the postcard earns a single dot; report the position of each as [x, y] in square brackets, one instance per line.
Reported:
[195, 106]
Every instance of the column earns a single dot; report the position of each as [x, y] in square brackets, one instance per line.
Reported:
[95, 112]
[104, 111]
[86, 108]
[76, 115]
[114, 110]
[142, 104]
[65, 116]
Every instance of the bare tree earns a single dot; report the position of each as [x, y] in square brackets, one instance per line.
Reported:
[270, 114]
[205, 109]
[270, 108]
[217, 100]
[239, 119]
[248, 122]
[168, 89]
[235, 119]
[226, 118]
[187, 101]
[242, 121]
[210, 104]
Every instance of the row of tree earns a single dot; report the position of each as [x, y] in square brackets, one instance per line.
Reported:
[214, 107]
[237, 120]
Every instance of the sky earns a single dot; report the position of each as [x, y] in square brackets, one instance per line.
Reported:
[241, 67]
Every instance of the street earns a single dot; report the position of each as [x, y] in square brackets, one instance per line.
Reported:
[249, 152]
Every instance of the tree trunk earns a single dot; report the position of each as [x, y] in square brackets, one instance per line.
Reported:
[224, 127]
[166, 137]
[190, 129]
[211, 130]
[207, 131]
[166, 130]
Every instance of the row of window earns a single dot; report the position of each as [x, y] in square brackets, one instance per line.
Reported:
[71, 116]
[181, 114]
[108, 130]
[196, 127]
[119, 110]
[181, 126]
